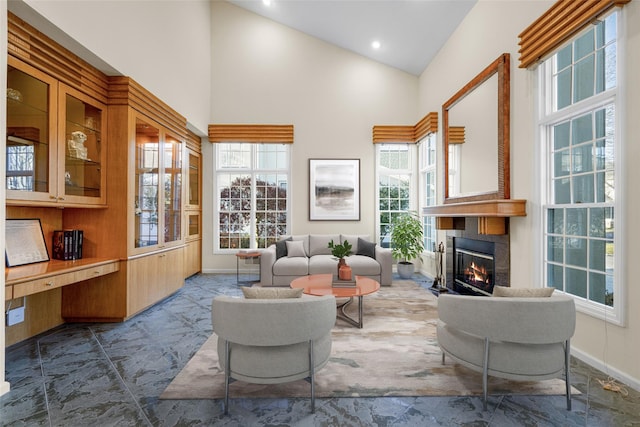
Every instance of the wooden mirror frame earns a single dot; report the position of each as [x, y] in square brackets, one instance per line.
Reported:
[500, 66]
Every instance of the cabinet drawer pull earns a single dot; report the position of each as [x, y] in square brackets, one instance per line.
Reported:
[52, 197]
[60, 198]
[97, 272]
[49, 283]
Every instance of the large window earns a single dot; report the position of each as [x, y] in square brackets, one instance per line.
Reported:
[427, 162]
[579, 123]
[252, 197]
[395, 187]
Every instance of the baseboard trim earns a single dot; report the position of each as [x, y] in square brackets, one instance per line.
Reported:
[607, 370]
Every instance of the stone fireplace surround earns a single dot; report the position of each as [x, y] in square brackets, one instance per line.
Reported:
[502, 252]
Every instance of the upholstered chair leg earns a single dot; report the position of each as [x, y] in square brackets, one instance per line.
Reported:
[312, 377]
[567, 379]
[443, 357]
[227, 375]
[485, 373]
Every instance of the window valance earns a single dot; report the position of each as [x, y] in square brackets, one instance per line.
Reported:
[386, 134]
[563, 20]
[276, 134]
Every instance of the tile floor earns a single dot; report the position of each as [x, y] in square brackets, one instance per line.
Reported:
[112, 375]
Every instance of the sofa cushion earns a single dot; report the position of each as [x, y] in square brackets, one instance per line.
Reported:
[353, 239]
[319, 243]
[281, 247]
[295, 248]
[366, 248]
[323, 264]
[363, 265]
[505, 291]
[297, 266]
[270, 293]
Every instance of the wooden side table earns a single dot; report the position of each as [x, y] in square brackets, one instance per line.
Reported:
[245, 256]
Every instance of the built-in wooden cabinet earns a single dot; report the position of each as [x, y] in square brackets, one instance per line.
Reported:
[55, 150]
[193, 209]
[153, 277]
[144, 223]
[69, 128]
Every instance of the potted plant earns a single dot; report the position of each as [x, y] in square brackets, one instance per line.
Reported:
[406, 242]
[340, 251]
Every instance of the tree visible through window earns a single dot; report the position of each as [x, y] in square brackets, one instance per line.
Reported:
[251, 197]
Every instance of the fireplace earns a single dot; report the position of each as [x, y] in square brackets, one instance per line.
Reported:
[479, 248]
[473, 266]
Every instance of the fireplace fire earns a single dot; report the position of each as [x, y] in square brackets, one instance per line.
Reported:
[473, 266]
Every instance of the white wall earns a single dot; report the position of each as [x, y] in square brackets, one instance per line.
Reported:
[264, 72]
[163, 45]
[491, 28]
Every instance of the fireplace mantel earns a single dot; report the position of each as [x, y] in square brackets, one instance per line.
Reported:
[491, 214]
[480, 208]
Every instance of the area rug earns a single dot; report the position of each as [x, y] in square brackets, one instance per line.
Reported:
[395, 354]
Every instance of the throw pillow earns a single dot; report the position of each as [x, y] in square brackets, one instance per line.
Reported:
[366, 248]
[270, 293]
[353, 239]
[319, 243]
[505, 291]
[281, 247]
[295, 248]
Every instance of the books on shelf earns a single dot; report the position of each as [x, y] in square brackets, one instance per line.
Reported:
[344, 284]
[67, 244]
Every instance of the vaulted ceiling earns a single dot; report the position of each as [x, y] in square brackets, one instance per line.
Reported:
[410, 32]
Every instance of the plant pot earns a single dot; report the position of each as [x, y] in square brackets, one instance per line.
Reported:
[344, 272]
[341, 263]
[405, 269]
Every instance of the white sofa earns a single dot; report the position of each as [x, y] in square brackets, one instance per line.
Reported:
[280, 271]
[525, 339]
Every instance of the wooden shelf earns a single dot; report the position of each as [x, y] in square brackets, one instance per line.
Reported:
[482, 208]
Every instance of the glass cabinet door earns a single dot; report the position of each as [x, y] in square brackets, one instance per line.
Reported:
[172, 189]
[147, 196]
[81, 150]
[193, 186]
[30, 156]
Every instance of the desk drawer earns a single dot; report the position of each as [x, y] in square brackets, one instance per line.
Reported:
[52, 282]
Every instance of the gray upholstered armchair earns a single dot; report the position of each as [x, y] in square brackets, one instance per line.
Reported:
[508, 337]
[269, 341]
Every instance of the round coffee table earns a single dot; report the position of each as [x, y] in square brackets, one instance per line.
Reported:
[322, 284]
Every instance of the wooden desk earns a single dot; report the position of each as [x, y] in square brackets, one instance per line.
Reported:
[44, 276]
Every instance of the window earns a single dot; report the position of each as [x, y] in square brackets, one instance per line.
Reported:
[427, 161]
[579, 123]
[252, 197]
[394, 185]
[20, 170]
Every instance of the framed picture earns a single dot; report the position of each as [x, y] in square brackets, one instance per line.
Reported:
[334, 189]
[24, 242]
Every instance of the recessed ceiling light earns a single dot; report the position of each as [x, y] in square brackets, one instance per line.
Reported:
[266, 2]
[375, 44]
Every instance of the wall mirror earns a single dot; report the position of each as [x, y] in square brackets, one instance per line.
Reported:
[476, 129]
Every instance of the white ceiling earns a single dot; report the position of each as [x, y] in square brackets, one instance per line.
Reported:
[411, 32]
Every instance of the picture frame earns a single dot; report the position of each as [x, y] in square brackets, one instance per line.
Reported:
[334, 189]
[24, 242]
